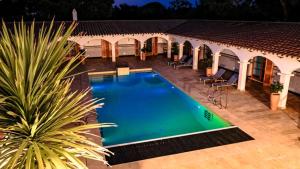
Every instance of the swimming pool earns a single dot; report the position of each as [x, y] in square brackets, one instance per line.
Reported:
[145, 106]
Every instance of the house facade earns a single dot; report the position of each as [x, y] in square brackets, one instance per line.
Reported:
[260, 51]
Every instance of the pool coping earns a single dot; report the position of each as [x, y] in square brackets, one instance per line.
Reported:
[115, 71]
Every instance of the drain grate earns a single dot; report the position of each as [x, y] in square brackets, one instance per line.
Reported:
[157, 148]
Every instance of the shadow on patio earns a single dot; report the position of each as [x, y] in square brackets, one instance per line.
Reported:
[262, 93]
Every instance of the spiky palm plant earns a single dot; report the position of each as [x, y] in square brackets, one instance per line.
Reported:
[39, 114]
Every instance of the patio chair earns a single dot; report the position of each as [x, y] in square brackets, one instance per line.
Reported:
[214, 77]
[188, 63]
[181, 61]
[231, 82]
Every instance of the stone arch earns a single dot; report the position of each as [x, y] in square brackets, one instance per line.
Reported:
[265, 69]
[296, 69]
[213, 47]
[228, 59]
[157, 44]
[187, 48]
[275, 62]
[129, 46]
[94, 41]
[160, 37]
[119, 38]
[98, 47]
[178, 39]
[207, 51]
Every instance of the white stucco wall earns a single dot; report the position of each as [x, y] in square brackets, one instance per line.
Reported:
[295, 82]
[228, 60]
[93, 48]
[93, 51]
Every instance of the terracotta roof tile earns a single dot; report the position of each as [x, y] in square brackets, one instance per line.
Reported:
[110, 27]
[126, 26]
[274, 37]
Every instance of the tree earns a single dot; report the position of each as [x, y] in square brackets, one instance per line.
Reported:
[93, 9]
[11, 10]
[217, 9]
[40, 117]
[181, 9]
[180, 4]
[269, 9]
[153, 10]
[284, 5]
[229, 9]
[125, 11]
[294, 6]
[60, 9]
[48, 9]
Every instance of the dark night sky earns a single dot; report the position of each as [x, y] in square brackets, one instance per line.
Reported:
[142, 2]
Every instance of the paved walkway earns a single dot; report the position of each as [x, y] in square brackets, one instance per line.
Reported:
[276, 144]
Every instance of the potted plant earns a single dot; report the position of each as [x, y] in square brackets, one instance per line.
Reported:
[208, 66]
[175, 51]
[275, 88]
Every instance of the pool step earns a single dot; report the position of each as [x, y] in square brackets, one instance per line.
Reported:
[157, 148]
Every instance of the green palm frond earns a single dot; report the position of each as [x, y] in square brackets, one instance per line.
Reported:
[40, 117]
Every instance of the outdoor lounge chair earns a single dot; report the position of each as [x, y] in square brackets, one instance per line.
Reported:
[231, 82]
[181, 61]
[188, 63]
[214, 77]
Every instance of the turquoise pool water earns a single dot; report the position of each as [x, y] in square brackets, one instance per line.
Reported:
[147, 106]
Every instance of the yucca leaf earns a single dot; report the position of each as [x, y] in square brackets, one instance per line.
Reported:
[41, 118]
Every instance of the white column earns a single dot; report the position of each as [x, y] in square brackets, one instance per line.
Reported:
[113, 52]
[215, 63]
[181, 50]
[285, 80]
[242, 75]
[169, 49]
[195, 58]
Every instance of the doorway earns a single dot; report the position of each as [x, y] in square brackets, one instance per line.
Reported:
[262, 70]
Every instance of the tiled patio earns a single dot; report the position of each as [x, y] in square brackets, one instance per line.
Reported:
[276, 144]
